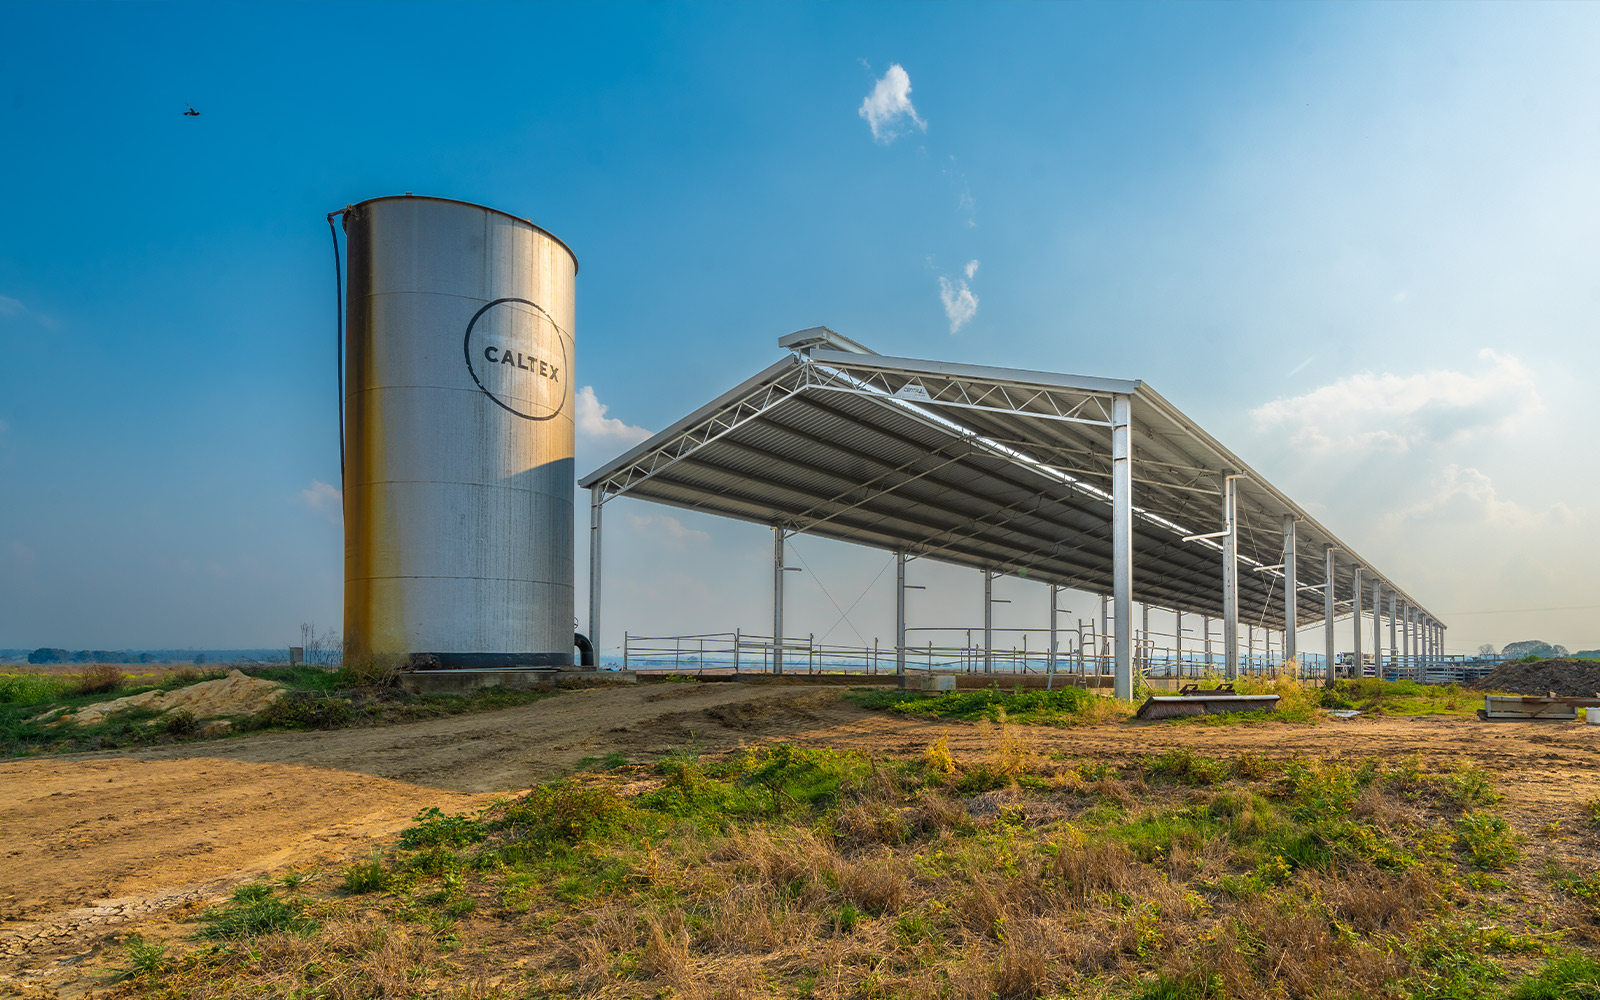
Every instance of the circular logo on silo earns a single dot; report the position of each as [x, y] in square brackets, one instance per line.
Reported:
[518, 357]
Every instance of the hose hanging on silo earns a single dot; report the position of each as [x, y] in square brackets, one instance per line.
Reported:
[338, 295]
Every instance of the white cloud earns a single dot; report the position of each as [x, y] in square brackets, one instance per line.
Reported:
[595, 425]
[1397, 413]
[888, 107]
[1468, 496]
[667, 528]
[964, 200]
[14, 307]
[960, 305]
[322, 497]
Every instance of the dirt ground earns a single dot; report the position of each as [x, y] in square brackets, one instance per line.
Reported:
[93, 844]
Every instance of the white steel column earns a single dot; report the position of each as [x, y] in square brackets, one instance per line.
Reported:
[1355, 609]
[1103, 630]
[1291, 589]
[1207, 620]
[1149, 647]
[988, 622]
[595, 497]
[1420, 644]
[1327, 613]
[1405, 638]
[1054, 644]
[1230, 578]
[1122, 539]
[1394, 640]
[1424, 645]
[777, 599]
[1420, 624]
[1377, 627]
[900, 614]
[1177, 641]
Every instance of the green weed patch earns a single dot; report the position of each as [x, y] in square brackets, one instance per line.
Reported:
[32, 705]
[815, 872]
[253, 911]
[1060, 707]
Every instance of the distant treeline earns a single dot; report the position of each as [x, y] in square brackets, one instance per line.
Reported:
[49, 654]
[1544, 651]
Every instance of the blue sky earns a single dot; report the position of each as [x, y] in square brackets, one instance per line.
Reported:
[1357, 242]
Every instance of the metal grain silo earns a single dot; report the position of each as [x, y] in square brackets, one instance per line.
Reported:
[459, 401]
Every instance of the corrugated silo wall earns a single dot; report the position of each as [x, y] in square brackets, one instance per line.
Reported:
[459, 473]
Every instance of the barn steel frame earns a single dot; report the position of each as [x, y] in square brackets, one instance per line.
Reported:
[1095, 484]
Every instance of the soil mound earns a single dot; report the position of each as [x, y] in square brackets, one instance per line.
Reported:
[234, 694]
[1567, 678]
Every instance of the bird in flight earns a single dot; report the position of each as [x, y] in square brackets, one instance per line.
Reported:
[191, 113]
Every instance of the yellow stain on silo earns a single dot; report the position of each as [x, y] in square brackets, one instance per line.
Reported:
[373, 609]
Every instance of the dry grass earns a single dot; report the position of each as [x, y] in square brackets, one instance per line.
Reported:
[810, 874]
[102, 678]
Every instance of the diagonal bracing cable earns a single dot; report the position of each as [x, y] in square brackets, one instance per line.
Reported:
[843, 614]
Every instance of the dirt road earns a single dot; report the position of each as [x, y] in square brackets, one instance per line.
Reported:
[92, 842]
[518, 747]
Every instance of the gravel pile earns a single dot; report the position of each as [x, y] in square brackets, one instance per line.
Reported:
[1567, 678]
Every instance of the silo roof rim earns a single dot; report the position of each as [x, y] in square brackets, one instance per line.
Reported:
[472, 204]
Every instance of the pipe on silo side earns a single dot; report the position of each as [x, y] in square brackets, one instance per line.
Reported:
[459, 435]
[586, 654]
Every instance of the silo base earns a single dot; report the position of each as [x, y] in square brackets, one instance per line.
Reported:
[526, 679]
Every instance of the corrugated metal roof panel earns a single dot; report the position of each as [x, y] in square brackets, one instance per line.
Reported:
[996, 468]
